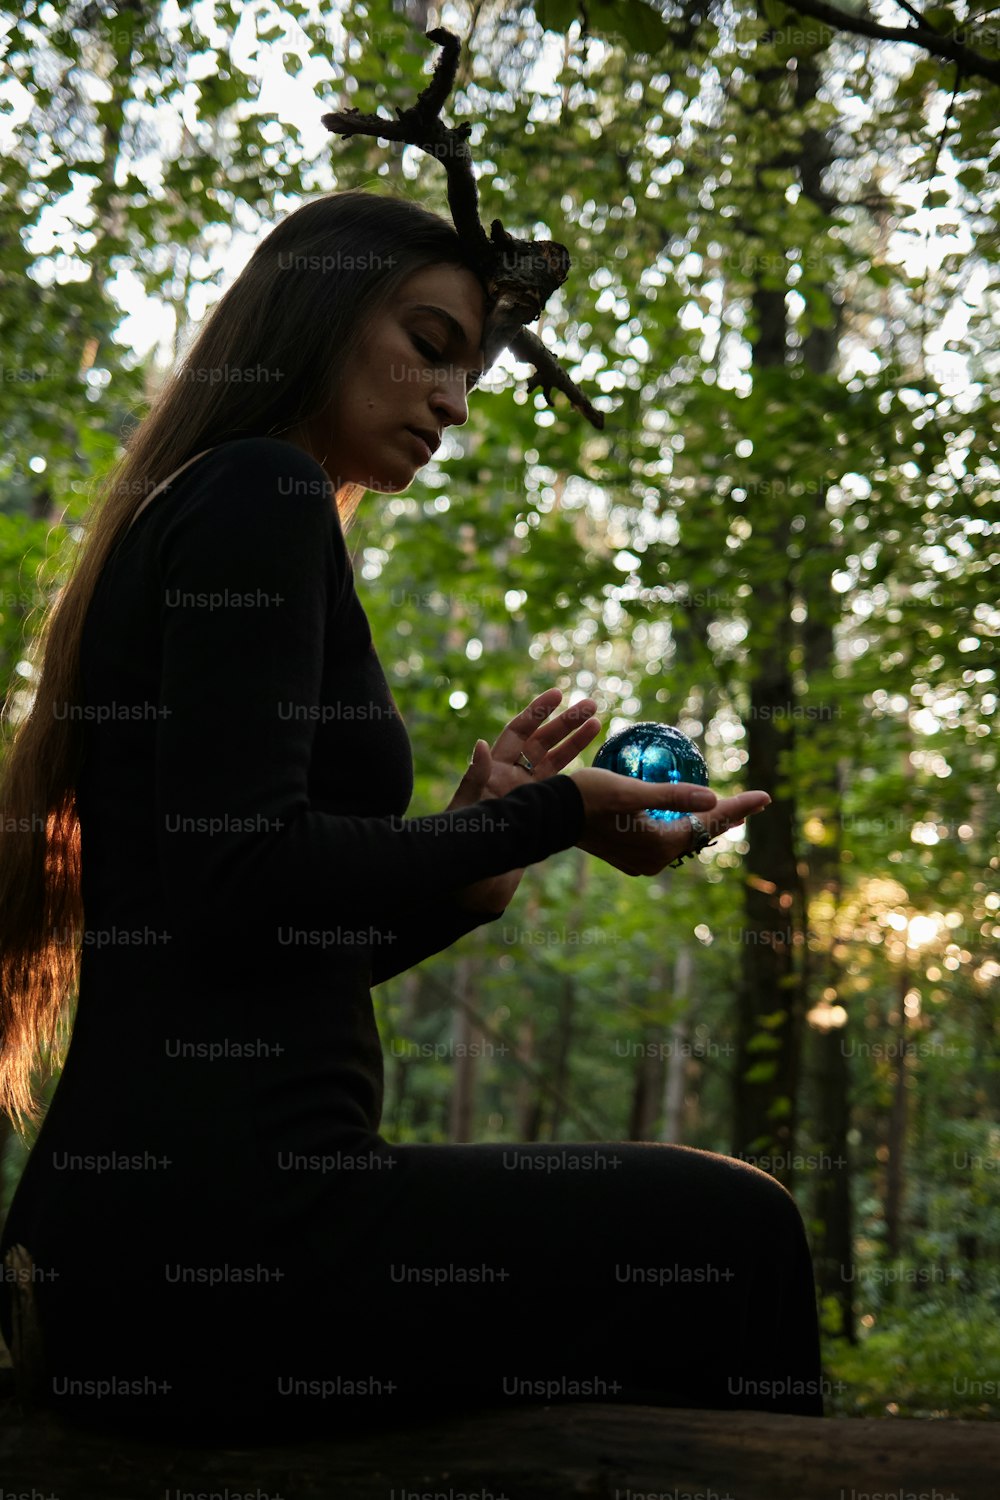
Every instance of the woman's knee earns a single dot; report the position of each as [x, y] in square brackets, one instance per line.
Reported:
[772, 1205]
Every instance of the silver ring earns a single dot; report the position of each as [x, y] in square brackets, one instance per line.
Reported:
[522, 760]
[700, 834]
[699, 840]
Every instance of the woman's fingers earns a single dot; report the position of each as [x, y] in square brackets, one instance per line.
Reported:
[673, 796]
[727, 813]
[571, 731]
[576, 739]
[610, 792]
[616, 810]
[548, 735]
[742, 805]
[527, 722]
[732, 811]
[522, 726]
[472, 786]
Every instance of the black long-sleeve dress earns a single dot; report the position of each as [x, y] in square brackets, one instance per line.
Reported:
[223, 1240]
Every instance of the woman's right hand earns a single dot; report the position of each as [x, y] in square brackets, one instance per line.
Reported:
[617, 832]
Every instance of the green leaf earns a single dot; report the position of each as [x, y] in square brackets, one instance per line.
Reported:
[762, 1072]
[643, 29]
[635, 21]
[556, 15]
[764, 1042]
[775, 1019]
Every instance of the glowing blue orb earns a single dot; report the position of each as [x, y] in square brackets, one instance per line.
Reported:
[653, 752]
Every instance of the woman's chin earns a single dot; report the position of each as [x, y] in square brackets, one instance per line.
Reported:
[394, 484]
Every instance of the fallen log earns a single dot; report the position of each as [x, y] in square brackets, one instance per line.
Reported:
[543, 1452]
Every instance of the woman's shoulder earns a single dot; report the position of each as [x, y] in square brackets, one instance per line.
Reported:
[248, 476]
[245, 494]
[261, 460]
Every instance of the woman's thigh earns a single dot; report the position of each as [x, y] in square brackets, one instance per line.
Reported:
[601, 1271]
[470, 1274]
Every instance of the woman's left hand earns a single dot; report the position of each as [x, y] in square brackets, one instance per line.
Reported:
[497, 771]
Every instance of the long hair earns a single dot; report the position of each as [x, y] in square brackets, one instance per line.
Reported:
[301, 307]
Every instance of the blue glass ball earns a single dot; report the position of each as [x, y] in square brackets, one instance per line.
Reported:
[653, 752]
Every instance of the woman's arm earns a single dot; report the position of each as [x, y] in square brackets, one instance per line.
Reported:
[548, 747]
[242, 851]
[438, 924]
[432, 927]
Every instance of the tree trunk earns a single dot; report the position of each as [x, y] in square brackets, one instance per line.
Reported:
[894, 1174]
[567, 1004]
[466, 1033]
[771, 996]
[677, 1055]
[649, 1073]
[536, 1451]
[770, 977]
[831, 1198]
[564, 1037]
[409, 986]
[528, 1108]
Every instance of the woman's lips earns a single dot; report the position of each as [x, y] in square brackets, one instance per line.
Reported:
[424, 449]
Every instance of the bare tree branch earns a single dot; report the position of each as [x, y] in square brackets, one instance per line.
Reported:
[519, 275]
[910, 11]
[937, 43]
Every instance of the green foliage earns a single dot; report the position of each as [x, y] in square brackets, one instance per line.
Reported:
[636, 22]
[935, 1358]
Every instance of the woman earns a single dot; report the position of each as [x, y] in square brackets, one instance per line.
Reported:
[222, 1245]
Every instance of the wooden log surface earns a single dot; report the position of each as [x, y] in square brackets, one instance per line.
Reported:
[543, 1452]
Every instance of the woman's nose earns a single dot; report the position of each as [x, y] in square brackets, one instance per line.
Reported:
[450, 402]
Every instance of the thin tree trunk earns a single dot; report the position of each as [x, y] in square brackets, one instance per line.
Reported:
[677, 1054]
[528, 1106]
[895, 1166]
[409, 986]
[648, 1089]
[898, 1122]
[567, 1004]
[466, 1033]
[564, 1036]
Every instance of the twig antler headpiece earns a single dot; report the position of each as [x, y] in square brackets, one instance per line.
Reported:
[519, 275]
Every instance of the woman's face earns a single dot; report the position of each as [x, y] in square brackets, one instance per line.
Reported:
[414, 370]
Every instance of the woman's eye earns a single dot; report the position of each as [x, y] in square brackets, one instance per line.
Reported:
[425, 349]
